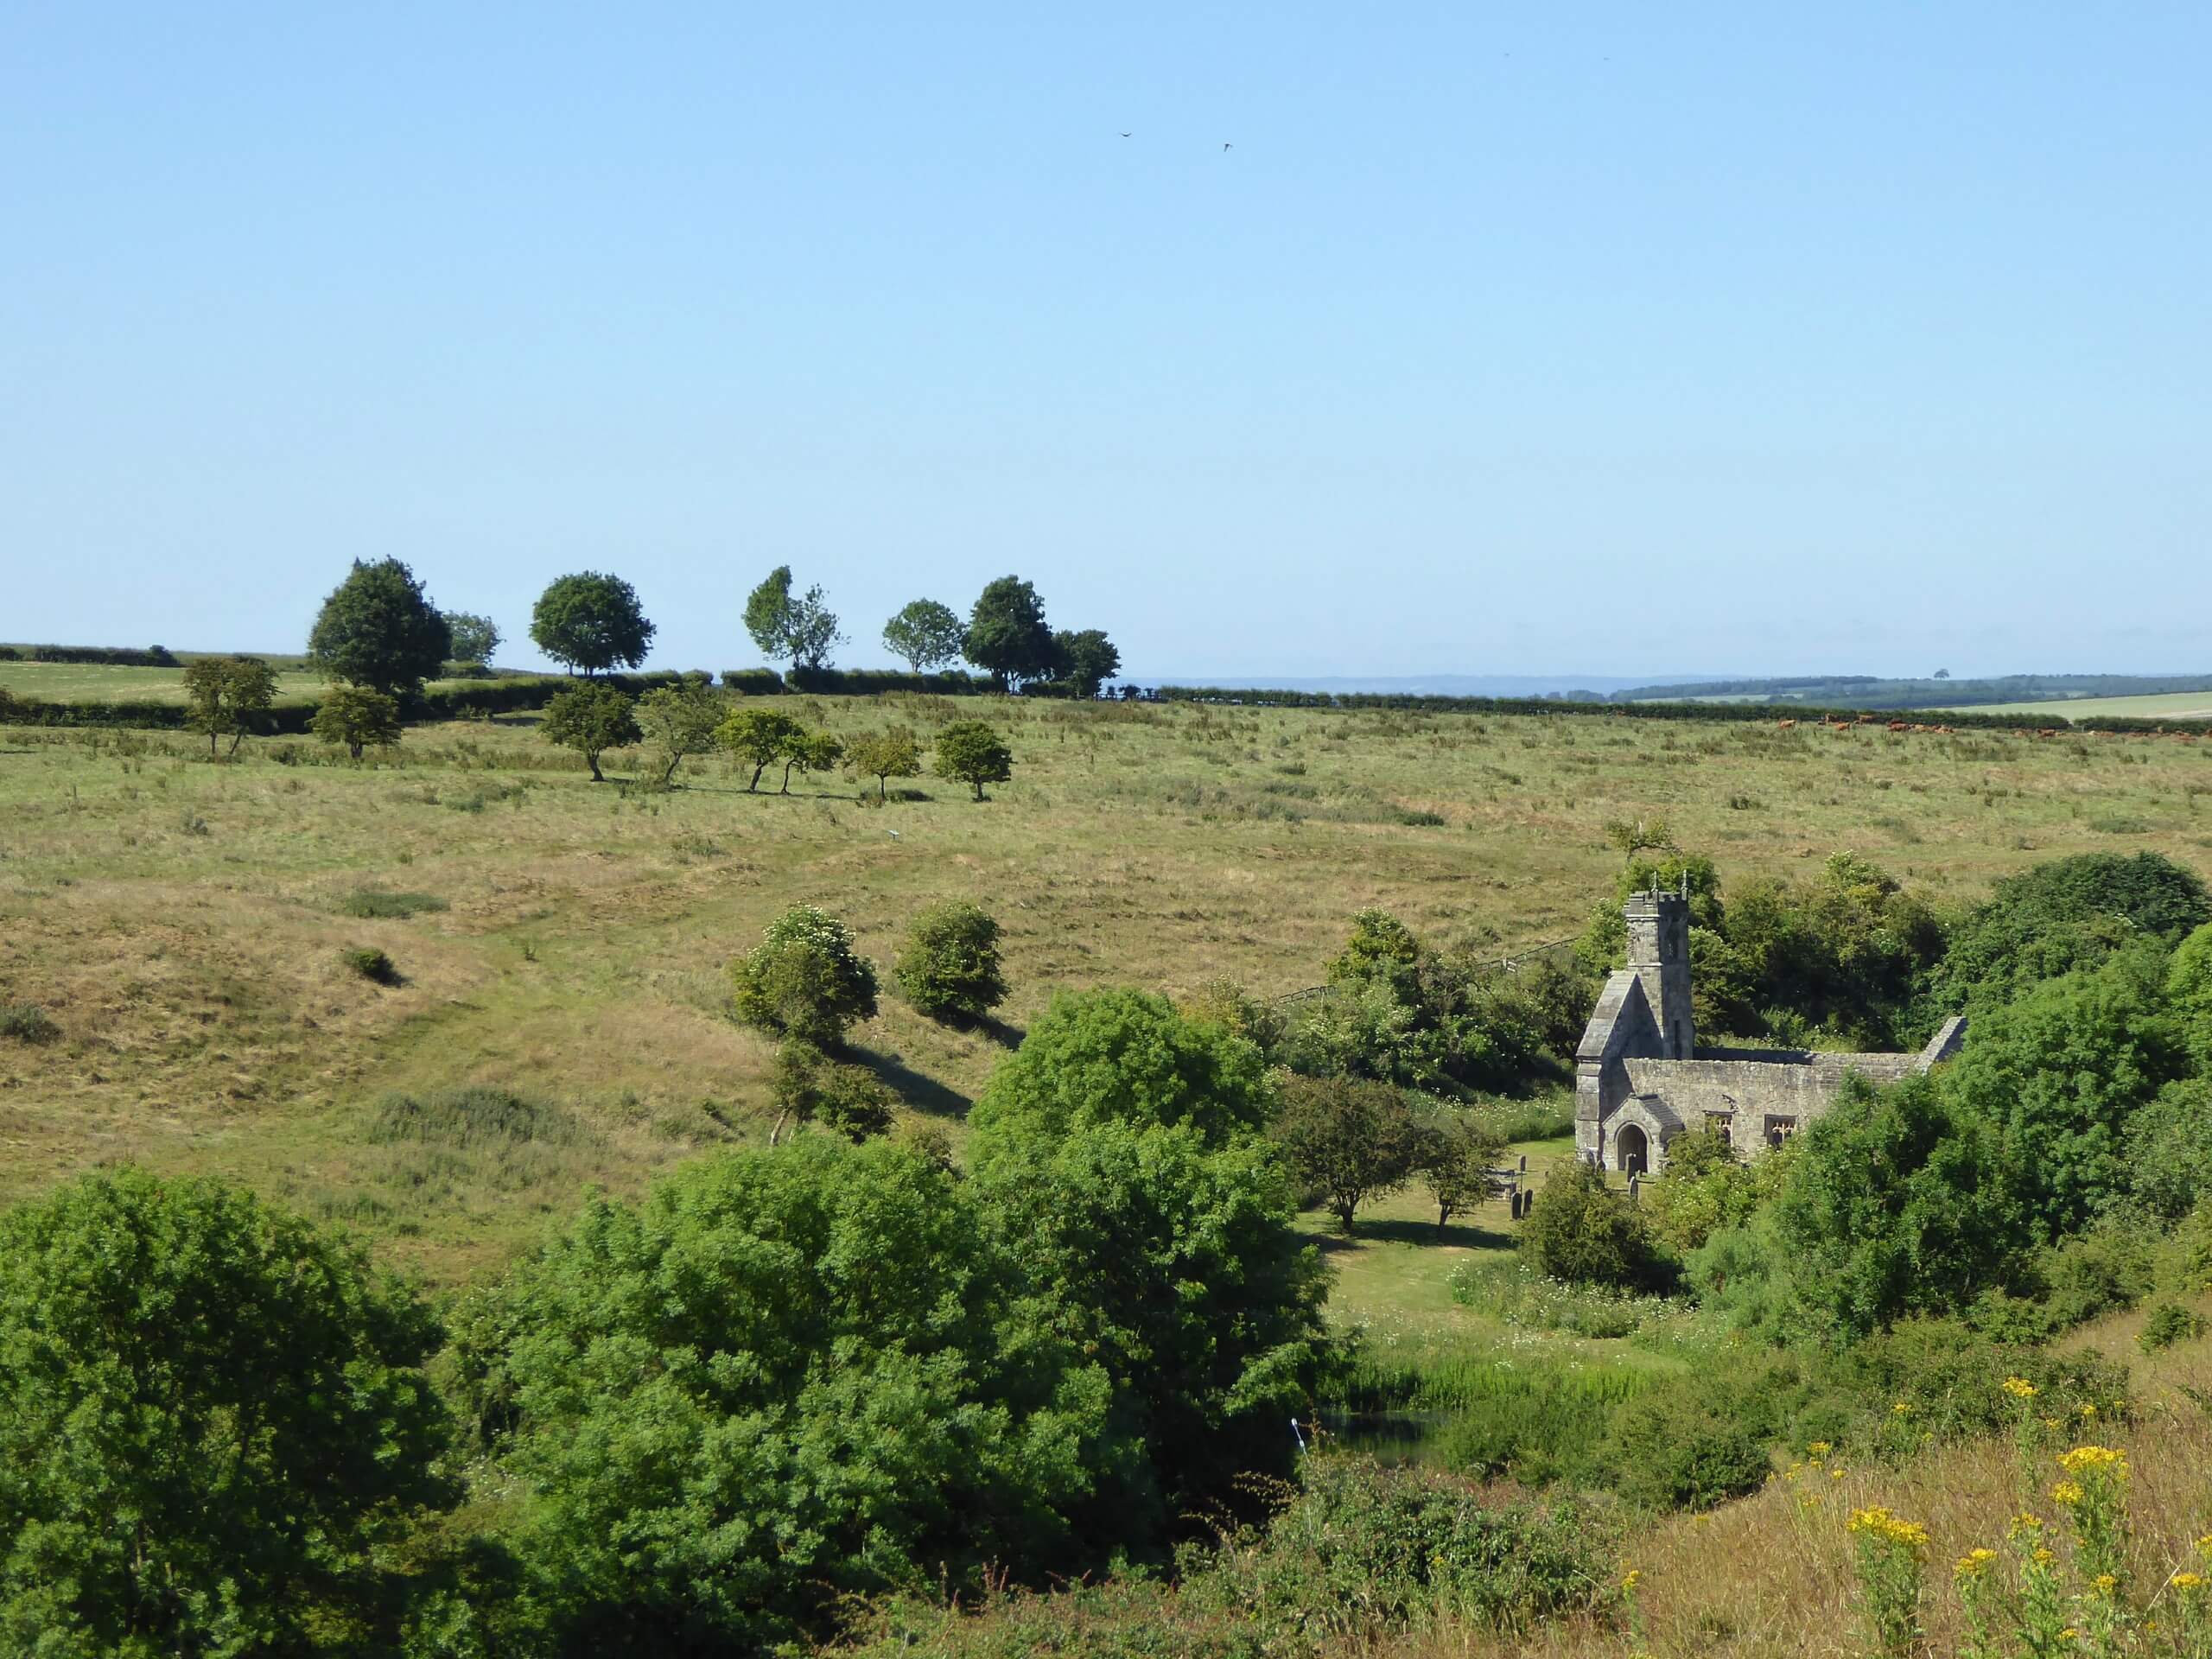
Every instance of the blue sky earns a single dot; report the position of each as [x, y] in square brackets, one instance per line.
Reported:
[1507, 339]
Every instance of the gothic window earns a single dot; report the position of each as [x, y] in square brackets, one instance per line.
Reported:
[1779, 1130]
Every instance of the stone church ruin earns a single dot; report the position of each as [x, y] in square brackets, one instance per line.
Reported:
[1640, 1079]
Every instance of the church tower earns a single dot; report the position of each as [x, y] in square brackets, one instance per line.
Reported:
[1659, 955]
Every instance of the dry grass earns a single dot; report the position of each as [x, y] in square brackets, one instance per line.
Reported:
[181, 920]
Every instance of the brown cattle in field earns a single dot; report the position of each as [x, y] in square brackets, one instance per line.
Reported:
[1787, 724]
[1899, 726]
[2047, 731]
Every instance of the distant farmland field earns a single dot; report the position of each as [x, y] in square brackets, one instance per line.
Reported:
[100, 683]
[2177, 703]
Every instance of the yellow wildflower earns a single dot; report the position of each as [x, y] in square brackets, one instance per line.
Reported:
[2024, 1522]
[2051, 1422]
[1901, 1408]
[2043, 1557]
[1974, 1563]
[2204, 1545]
[2103, 1459]
[2067, 1492]
[1880, 1523]
[1819, 1448]
[1835, 1474]
[1629, 1583]
[2019, 1388]
[2089, 1413]
[2107, 1583]
[2185, 1581]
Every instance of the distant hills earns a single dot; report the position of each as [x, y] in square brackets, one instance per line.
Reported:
[1867, 692]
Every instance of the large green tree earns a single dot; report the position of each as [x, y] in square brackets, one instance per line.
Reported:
[950, 965]
[210, 1412]
[1084, 660]
[786, 1377]
[1007, 637]
[926, 634]
[378, 629]
[678, 721]
[592, 621]
[760, 737]
[971, 752]
[804, 979]
[1349, 1139]
[474, 637]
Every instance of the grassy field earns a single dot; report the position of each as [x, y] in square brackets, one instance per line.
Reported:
[97, 683]
[2177, 703]
[182, 922]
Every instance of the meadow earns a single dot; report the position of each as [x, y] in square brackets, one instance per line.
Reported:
[102, 683]
[2177, 704]
[182, 923]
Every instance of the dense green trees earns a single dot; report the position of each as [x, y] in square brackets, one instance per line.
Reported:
[925, 634]
[804, 979]
[1583, 1233]
[591, 719]
[224, 696]
[1084, 659]
[950, 965]
[592, 621]
[356, 716]
[847, 1395]
[802, 631]
[972, 753]
[377, 629]
[210, 1412]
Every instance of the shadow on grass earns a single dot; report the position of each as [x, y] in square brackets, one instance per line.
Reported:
[1461, 1234]
[924, 1094]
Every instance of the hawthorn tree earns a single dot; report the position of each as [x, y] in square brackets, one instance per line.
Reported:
[807, 1085]
[591, 719]
[210, 1413]
[222, 695]
[883, 756]
[678, 720]
[927, 634]
[970, 752]
[760, 737]
[1454, 1161]
[816, 752]
[1353, 1138]
[803, 630]
[591, 621]
[951, 963]
[805, 980]
[1007, 637]
[356, 716]
[378, 629]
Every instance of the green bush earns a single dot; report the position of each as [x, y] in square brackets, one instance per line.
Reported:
[27, 1022]
[1677, 1449]
[2170, 1323]
[804, 979]
[1514, 1292]
[375, 905]
[471, 1118]
[1583, 1233]
[1537, 1424]
[809, 1086]
[950, 965]
[370, 964]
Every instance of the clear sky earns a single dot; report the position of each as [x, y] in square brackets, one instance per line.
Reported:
[1516, 338]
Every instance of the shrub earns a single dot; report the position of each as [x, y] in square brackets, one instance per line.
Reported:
[2170, 1323]
[951, 963]
[371, 963]
[678, 720]
[2169, 1149]
[1511, 1290]
[1675, 1450]
[810, 1087]
[883, 756]
[376, 905]
[591, 719]
[211, 1415]
[804, 979]
[1583, 1233]
[27, 1022]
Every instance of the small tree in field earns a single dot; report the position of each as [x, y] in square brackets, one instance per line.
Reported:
[1353, 1138]
[760, 737]
[223, 696]
[805, 980]
[810, 1086]
[1454, 1163]
[591, 719]
[803, 630]
[883, 756]
[812, 752]
[1584, 1233]
[356, 716]
[970, 752]
[951, 962]
[678, 720]
[927, 634]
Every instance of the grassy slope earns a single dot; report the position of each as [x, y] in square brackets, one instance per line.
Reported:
[178, 918]
[95, 683]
